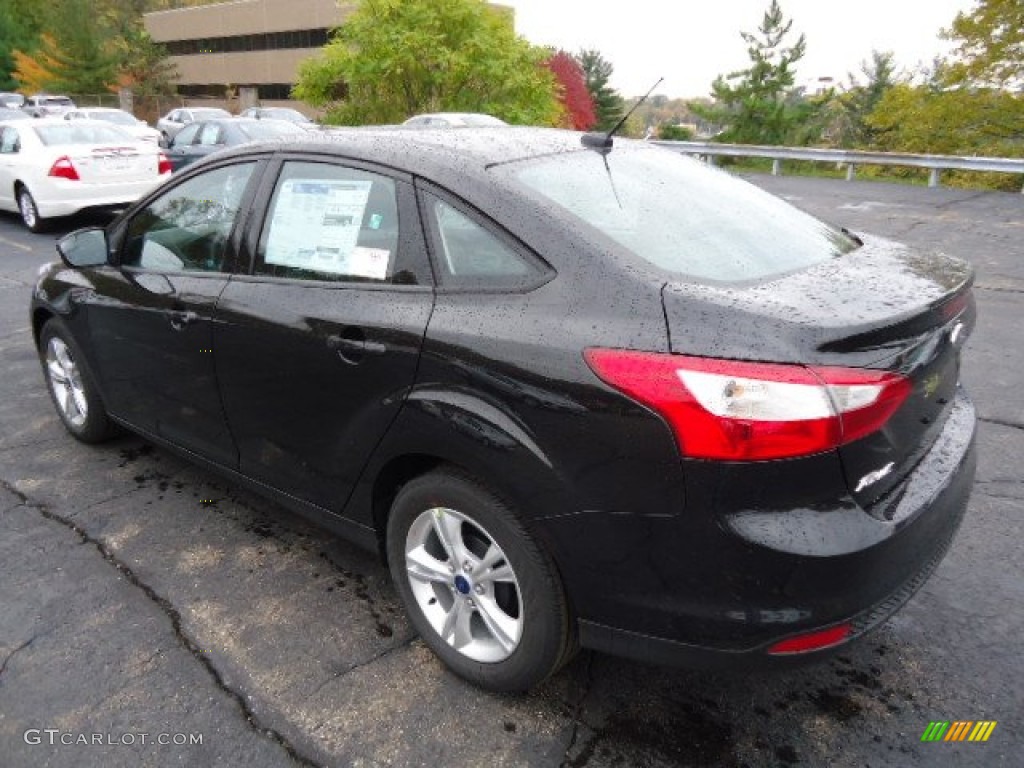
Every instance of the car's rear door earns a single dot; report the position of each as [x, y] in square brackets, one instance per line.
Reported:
[151, 321]
[317, 347]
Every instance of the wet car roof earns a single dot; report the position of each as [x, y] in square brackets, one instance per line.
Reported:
[434, 153]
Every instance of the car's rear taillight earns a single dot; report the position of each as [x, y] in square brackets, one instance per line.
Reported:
[740, 411]
[163, 165]
[64, 169]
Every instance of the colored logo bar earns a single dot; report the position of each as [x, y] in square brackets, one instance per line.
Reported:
[959, 730]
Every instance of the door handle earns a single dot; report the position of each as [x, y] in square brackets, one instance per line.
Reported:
[179, 319]
[353, 348]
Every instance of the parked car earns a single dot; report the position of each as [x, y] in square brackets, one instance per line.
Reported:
[51, 167]
[176, 119]
[125, 121]
[13, 114]
[279, 113]
[452, 120]
[575, 393]
[11, 100]
[198, 140]
[47, 105]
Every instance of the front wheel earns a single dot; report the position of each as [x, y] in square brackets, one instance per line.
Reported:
[478, 589]
[71, 386]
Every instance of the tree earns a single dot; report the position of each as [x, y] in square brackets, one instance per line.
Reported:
[844, 114]
[21, 23]
[759, 105]
[577, 104]
[74, 59]
[395, 58]
[608, 104]
[954, 121]
[36, 71]
[990, 45]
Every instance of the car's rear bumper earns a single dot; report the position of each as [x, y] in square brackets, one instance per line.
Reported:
[726, 598]
[62, 197]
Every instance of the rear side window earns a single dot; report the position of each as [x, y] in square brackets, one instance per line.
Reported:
[679, 215]
[9, 141]
[209, 135]
[471, 255]
[77, 133]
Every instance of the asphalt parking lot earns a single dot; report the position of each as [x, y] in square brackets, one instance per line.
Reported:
[165, 617]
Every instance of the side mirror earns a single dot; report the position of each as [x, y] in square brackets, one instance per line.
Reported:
[84, 248]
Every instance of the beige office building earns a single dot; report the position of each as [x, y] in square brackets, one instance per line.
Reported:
[252, 47]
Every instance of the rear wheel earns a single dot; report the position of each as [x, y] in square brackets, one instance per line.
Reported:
[71, 386]
[477, 588]
[29, 211]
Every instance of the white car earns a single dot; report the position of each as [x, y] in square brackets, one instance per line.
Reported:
[452, 120]
[53, 167]
[176, 119]
[138, 128]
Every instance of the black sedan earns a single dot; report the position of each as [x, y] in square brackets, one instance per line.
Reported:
[575, 394]
[197, 140]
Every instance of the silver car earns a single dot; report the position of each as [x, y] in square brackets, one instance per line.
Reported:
[176, 119]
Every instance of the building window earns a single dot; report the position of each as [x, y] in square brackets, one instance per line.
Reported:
[266, 41]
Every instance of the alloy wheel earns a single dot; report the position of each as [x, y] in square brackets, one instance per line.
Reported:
[27, 207]
[66, 381]
[464, 585]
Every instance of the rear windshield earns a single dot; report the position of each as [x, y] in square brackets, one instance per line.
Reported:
[263, 129]
[73, 133]
[117, 118]
[680, 215]
[210, 113]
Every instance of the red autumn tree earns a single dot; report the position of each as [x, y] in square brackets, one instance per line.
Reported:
[577, 103]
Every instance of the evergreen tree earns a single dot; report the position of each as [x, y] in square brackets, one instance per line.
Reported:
[759, 105]
[608, 104]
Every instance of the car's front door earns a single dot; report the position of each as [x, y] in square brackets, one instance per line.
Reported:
[151, 322]
[318, 346]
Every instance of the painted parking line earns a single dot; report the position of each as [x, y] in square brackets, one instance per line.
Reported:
[20, 246]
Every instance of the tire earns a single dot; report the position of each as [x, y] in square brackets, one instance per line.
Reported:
[29, 211]
[71, 385]
[489, 602]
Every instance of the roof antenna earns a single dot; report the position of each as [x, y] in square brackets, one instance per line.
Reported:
[603, 141]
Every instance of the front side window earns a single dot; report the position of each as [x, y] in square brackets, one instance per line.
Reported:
[678, 215]
[330, 222]
[187, 228]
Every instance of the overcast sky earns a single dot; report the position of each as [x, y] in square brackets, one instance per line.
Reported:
[689, 42]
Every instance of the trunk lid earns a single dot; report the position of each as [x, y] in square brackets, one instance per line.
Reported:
[883, 306]
[109, 164]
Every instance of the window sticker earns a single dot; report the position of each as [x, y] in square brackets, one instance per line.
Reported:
[315, 226]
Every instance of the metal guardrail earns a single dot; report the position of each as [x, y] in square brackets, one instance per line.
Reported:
[851, 158]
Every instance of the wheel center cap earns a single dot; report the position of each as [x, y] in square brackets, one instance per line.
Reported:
[462, 584]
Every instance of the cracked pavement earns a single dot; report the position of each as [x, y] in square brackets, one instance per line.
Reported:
[143, 595]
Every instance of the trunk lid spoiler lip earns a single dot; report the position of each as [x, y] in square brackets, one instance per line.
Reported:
[851, 310]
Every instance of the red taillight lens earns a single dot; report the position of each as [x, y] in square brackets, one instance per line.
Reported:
[64, 169]
[813, 641]
[739, 411]
[163, 165]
